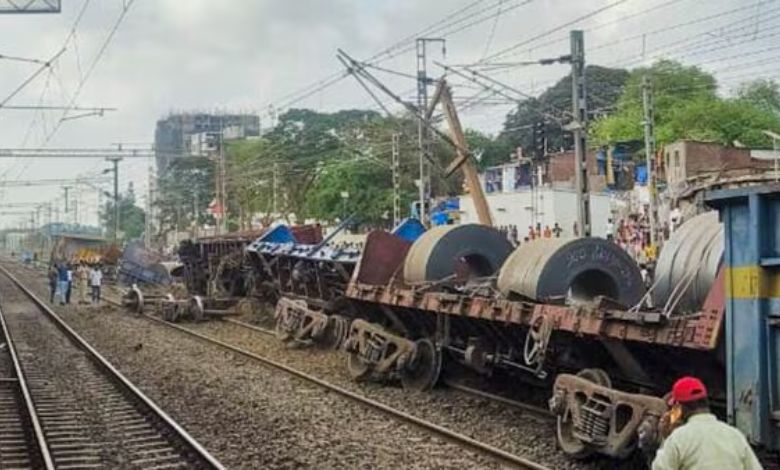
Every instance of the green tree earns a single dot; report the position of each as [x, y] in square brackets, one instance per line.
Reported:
[131, 217]
[763, 94]
[687, 107]
[491, 150]
[302, 142]
[365, 184]
[251, 169]
[186, 188]
[722, 121]
[604, 86]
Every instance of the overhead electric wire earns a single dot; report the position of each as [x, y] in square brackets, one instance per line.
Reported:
[125, 8]
[687, 42]
[492, 33]
[556, 29]
[30, 78]
[22, 59]
[667, 28]
[441, 28]
[50, 64]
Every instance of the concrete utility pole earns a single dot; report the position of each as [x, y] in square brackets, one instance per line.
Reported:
[76, 210]
[423, 132]
[115, 169]
[149, 208]
[649, 124]
[396, 165]
[578, 127]
[274, 190]
[222, 188]
[66, 189]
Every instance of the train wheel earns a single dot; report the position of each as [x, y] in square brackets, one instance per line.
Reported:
[357, 367]
[247, 306]
[424, 370]
[570, 444]
[336, 332]
[135, 299]
[282, 334]
[197, 309]
[167, 312]
[176, 313]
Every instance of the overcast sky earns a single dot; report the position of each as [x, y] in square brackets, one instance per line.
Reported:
[246, 55]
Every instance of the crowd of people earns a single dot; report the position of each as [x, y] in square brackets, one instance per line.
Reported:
[86, 277]
[513, 235]
[633, 235]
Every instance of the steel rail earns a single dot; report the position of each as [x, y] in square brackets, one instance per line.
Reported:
[115, 374]
[249, 326]
[451, 435]
[32, 413]
[448, 434]
[542, 412]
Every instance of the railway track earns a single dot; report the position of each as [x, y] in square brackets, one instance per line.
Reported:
[542, 412]
[483, 448]
[77, 410]
[20, 431]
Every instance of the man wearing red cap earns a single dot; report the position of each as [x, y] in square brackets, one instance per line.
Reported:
[701, 442]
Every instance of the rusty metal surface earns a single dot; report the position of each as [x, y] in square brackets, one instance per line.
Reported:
[603, 418]
[382, 256]
[442, 251]
[562, 270]
[698, 332]
[382, 350]
[689, 262]
[307, 234]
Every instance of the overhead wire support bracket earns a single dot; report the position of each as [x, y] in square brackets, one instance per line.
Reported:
[477, 76]
[363, 84]
[359, 70]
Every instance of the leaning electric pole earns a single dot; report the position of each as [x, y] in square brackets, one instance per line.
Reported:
[649, 124]
[578, 127]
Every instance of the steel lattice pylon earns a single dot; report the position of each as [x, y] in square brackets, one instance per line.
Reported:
[30, 6]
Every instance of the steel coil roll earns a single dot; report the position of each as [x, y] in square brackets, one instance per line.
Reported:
[688, 264]
[566, 270]
[472, 250]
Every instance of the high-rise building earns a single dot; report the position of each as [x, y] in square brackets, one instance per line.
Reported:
[187, 134]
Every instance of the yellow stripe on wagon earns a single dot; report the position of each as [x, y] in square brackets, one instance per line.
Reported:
[752, 282]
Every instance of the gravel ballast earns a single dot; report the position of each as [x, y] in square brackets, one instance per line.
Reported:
[250, 416]
[360, 438]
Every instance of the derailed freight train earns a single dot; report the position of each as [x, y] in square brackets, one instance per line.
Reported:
[571, 315]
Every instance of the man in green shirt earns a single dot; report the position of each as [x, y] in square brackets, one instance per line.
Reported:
[701, 442]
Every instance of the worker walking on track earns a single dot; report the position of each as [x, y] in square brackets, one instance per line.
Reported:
[70, 284]
[82, 278]
[52, 282]
[95, 280]
[700, 441]
[62, 282]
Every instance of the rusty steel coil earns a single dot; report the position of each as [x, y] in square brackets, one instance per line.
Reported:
[688, 264]
[566, 270]
[468, 250]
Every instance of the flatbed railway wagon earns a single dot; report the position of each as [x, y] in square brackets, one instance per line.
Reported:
[572, 317]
